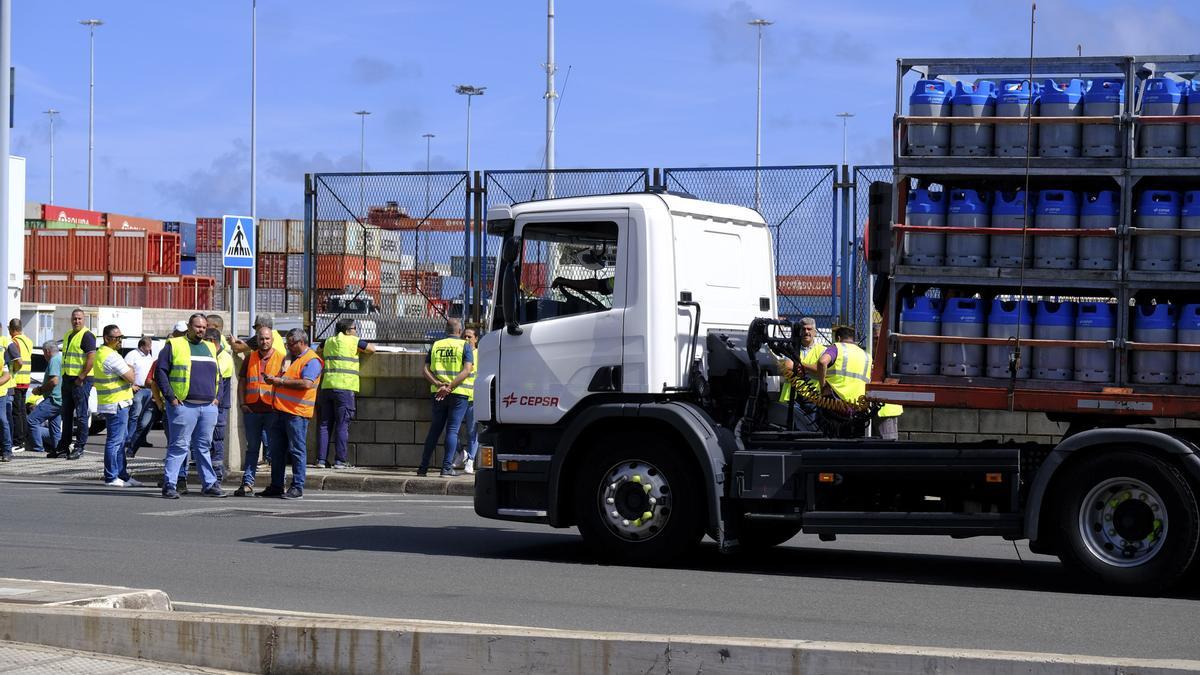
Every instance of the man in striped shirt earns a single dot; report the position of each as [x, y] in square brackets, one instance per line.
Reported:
[188, 377]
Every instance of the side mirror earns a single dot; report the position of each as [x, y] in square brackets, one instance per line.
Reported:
[508, 292]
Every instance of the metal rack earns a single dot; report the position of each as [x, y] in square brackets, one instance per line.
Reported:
[1126, 170]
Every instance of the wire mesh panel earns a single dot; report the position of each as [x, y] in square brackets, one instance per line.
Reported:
[798, 204]
[391, 250]
[862, 178]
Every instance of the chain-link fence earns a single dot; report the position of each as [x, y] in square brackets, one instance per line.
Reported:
[862, 178]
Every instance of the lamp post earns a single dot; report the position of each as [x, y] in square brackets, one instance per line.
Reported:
[551, 95]
[845, 118]
[362, 159]
[759, 24]
[92, 24]
[252, 306]
[50, 114]
[469, 91]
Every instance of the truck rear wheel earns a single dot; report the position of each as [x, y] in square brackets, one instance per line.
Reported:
[1130, 521]
[638, 501]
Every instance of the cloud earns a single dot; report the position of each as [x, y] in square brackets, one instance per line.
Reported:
[218, 188]
[402, 120]
[438, 163]
[370, 70]
[732, 41]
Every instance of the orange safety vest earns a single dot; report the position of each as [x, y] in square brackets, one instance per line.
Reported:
[256, 388]
[293, 400]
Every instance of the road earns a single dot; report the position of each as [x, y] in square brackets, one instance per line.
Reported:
[432, 558]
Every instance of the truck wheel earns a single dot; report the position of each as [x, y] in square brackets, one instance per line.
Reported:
[1128, 520]
[637, 501]
[756, 535]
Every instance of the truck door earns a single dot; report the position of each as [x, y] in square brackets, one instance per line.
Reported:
[571, 311]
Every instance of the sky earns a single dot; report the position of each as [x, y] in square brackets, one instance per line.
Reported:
[643, 83]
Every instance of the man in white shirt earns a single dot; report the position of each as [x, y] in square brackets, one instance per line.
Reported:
[142, 413]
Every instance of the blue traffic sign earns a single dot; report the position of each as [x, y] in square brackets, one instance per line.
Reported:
[238, 242]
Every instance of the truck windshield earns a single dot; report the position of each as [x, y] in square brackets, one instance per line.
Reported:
[567, 268]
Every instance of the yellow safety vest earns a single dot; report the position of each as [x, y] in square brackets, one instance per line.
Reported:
[181, 365]
[73, 356]
[469, 383]
[808, 357]
[850, 372]
[446, 362]
[109, 388]
[26, 347]
[890, 410]
[341, 363]
[225, 365]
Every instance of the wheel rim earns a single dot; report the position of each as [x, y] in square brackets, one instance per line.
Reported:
[635, 500]
[1123, 522]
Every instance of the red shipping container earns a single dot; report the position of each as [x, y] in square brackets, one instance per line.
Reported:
[90, 288]
[435, 309]
[162, 252]
[243, 278]
[162, 291]
[195, 293]
[52, 251]
[533, 278]
[89, 251]
[55, 289]
[64, 214]
[340, 271]
[28, 292]
[30, 248]
[127, 290]
[272, 270]
[116, 222]
[811, 285]
[127, 252]
[208, 235]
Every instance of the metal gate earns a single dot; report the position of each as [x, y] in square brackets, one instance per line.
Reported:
[860, 301]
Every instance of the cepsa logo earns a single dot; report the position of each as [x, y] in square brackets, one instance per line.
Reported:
[530, 401]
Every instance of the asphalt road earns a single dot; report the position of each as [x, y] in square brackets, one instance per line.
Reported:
[432, 558]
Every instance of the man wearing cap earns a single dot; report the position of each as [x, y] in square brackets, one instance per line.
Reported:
[79, 356]
[338, 386]
[188, 377]
[19, 355]
[811, 349]
[260, 321]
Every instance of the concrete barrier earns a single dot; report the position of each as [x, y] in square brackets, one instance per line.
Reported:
[56, 594]
[288, 644]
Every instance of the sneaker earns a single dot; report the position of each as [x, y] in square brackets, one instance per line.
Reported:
[170, 493]
[342, 465]
[271, 491]
[75, 454]
[293, 493]
[182, 486]
[133, 482]
[116, 482]
[5, 458]
[244, 491]
[214, 491]
[449, 473]
[130, 454]
[469, 468]
[459, 458]
[422, 472]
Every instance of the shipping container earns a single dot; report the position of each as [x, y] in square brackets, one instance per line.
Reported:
[295, 271]
[187, 266]
[75, 216]
[243, 278]
[195, 292]
[342, 271]
[804, 284]
[118, 222]
[273, 300]
[272, 270]
[389, 276]
[295, 301]
[223, 297]
[127, 290]
[272, 235]
[89, 251]
[428, 283]
[163, 291]
[28, 292]
[52, 251]
[54, 289]
[295, 236]
[348, 238]
[187, 236]
[210, 265]
[162, 252]
[30, 250]
[62, 225]
[208, 235]
[34, 224]
[392, 244]
[127, 252]
[90, 288]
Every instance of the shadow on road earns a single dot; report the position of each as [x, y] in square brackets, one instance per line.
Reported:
[791, 561]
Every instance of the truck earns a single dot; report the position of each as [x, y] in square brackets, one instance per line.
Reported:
[634, 393]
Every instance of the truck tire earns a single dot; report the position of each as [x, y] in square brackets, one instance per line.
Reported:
[638, 501]
[1129, 521]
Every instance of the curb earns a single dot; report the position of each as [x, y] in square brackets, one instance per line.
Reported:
[56, 594]
[350, 482]
[271, 644]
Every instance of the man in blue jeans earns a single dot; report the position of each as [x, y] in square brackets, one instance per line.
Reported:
[45, 427]
[447, 368]
[143, 412]
[257, 401]
[6, 382]
[113, 380]
[295, 394]
[187, 375]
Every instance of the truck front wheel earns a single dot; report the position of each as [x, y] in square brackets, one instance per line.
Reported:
[1129, 520]
[638, 501]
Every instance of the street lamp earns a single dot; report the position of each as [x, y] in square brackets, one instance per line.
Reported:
[91, 24]
[845, 117]
[469, 91]
[759, 24]
[362, 158]
[50, 114]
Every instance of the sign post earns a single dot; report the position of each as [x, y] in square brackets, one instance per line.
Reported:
[237, 249]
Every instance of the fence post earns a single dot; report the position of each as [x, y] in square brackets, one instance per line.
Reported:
[835, 299]
[479, 271]
[307, 270]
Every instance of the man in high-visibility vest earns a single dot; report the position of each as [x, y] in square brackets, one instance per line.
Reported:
[470, 446]
[19, 354]
[446, 370]
[115, 387]
[246, 346]
[188, 378]
[887, 421]
[844, 369]
[225, 368]
[257, 400]
[45, 424]
[79, 355]
[5, 425]
[218, 322]
[811, 349]
[295, 394]
[335, 400]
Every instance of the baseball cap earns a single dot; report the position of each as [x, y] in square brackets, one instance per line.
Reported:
[181, 326]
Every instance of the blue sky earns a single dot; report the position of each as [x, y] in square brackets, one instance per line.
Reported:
[651, 83]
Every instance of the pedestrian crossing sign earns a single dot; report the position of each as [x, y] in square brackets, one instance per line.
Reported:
[238, 242]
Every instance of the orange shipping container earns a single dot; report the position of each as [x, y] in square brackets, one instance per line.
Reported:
[208, 235]
[162, 252]
[127, 252]
[340, 271]
[272, 270]
[117, 222]
[55, 289]
[127, 290]
[52, 251]
[89, 288]
[195, 293]
[813, 285]
[162, 291]
[89, 251]
[30, 248]
[243, 278]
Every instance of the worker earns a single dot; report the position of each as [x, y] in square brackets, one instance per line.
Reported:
[225, 368]
[6, 382]
[446, 370]
[45, 424]
[19, 354]
[844, 369]
[811, 349]
[115, 387]
[470, 445]
[79, 355]
[339, 383]
[886, 424]
[257, 399]
[215, 321]
[246, 346]
[295, 394]
[189, 378]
